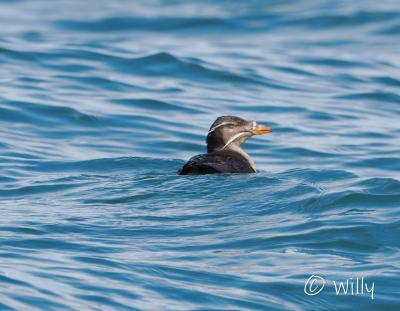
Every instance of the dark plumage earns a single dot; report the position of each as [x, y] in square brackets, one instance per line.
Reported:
[224, 152]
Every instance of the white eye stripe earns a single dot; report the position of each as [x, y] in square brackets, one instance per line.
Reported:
[217, 126]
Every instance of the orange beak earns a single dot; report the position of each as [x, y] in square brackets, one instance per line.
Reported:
[261, 129]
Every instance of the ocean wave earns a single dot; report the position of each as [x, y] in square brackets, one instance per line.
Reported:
[120, 23]
[100, 105]
[26, 112]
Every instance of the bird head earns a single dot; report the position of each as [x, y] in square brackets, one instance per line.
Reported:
[229, 132]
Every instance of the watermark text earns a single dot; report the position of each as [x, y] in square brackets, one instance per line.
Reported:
[315, 284]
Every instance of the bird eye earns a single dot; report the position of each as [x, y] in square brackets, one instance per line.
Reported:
[231, 126]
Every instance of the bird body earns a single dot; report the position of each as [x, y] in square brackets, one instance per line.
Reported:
[224, 152]
[217, 162]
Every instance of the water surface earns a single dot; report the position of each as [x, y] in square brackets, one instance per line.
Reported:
[102, 101]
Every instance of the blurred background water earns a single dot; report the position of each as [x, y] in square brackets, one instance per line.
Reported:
[102, 101]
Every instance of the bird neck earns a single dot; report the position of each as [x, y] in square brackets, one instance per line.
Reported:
[243, 153]
[235, 149]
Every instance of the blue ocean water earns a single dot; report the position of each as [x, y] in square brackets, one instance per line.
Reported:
[102, 101]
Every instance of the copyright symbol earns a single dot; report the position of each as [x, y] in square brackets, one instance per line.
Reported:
[314, 285]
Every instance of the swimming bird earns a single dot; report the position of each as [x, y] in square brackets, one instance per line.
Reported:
[224, 148]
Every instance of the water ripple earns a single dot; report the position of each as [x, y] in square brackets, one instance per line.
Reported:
[101, 103]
